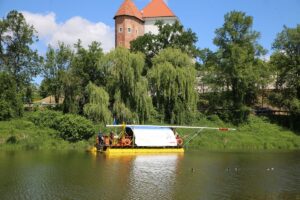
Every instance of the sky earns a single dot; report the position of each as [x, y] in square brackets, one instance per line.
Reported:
[92, 20]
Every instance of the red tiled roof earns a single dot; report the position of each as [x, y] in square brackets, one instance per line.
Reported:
[128, 8]
[157, 8]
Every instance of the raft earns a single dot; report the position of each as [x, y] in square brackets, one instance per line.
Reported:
[129, 151]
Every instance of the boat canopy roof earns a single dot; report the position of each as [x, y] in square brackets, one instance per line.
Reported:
[153, 136]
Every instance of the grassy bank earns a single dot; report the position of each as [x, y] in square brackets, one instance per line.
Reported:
[258, 134]
[21, 134]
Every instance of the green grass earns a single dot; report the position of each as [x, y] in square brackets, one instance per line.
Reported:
[256, 135]
[21, 134]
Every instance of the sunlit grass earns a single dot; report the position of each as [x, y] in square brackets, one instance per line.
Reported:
[256, 135]
[21, 134]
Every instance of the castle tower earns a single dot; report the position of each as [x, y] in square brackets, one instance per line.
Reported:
[157, 10]
[129, 24]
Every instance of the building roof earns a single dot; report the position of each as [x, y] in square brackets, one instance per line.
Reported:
[128, 8]
[157, 8]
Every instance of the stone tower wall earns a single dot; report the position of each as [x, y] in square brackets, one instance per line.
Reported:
[127, 28]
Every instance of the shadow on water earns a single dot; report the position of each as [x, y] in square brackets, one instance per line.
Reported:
[193, 175]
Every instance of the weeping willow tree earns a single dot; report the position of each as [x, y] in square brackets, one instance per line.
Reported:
[126, 85]
[123, 113]
[172, 83]
[97, 108]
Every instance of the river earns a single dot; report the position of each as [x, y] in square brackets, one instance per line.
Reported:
[193, 175]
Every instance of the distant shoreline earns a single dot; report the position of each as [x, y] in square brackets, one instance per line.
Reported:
[257, 135]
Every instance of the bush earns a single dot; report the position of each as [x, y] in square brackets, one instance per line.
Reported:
[74, 128]
[70, 127]
[11, 140]
[45, 118]
[6, 111]
[241, 115]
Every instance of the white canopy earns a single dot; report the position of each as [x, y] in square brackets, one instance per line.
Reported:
[154, 137]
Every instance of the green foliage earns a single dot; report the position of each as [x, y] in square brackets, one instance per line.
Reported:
[44, 88]
[74, 128]
[16, 56]
[125, 81]
[85, 63]
[11, 140]
[71, 87]
[6, 111]
[18, 64]
[97, 108]
[56, 64]
[172, 84]
[258, 134]
[286, 60]
[121, 112]
[169, 36]
[21, 134]
[83, 69]
[46, 118]
[10, 102]
[235, 71]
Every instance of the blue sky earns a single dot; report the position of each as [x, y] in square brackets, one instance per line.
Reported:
[93, 19]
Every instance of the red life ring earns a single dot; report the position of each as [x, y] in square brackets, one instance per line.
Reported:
[179, 141]
[127, 142]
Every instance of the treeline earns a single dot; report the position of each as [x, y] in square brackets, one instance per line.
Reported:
[158, 78]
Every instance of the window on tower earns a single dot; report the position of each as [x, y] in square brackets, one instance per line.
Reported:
[129, 30]
[120, 29]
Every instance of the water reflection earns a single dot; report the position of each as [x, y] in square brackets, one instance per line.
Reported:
[37, 175]
[153, 177]
[143, 176]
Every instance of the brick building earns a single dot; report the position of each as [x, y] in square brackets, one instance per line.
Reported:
[131, 23]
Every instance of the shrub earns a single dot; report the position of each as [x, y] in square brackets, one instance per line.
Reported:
[70, 127]
[6, 111]
[11, 140]
[45, 118]
[74, 128]
[241, 115]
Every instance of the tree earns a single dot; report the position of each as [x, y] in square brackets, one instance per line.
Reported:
[85, 63]
[10, 102]
[125, 82]
[16, 56]
[172, 85]
[57, 63]
[85, 68]
[71, 91]
[97, 108]
[235, 65]
[170, 35]
[286, 59]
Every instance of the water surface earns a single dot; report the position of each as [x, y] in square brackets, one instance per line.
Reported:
[194, 175]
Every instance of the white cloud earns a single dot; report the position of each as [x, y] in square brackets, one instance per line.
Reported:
[51, 32]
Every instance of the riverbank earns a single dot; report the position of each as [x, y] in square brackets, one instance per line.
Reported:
[256, 135]
[259, 134]
[22, 134]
